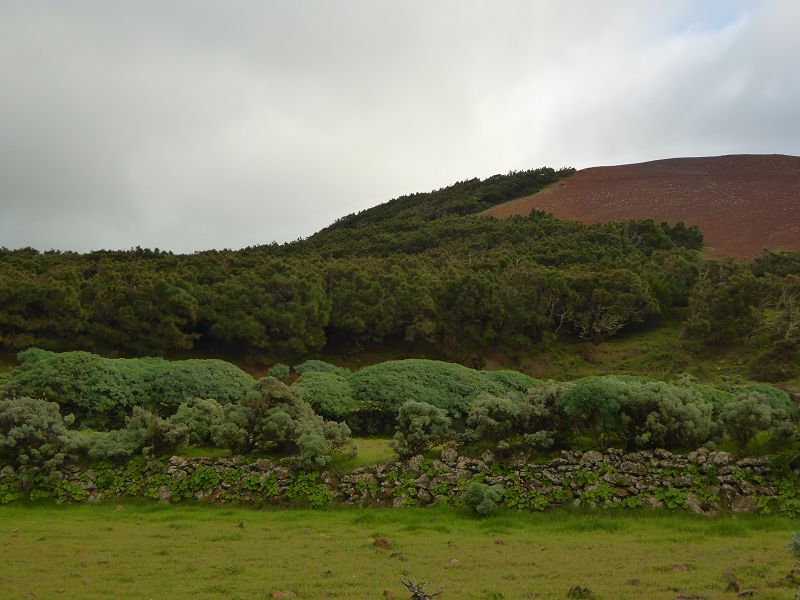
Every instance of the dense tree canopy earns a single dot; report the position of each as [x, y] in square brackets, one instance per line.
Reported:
[423, 267]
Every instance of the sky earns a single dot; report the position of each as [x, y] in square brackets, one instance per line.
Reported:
[195, 124]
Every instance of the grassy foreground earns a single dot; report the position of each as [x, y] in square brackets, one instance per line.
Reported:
[147, 550]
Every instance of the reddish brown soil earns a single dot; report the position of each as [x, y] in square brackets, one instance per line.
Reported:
[742, 203]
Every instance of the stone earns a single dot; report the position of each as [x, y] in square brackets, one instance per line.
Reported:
[449, 455]
[633, 468]
[694, 504]
[592, 457]
[743, 504]
[424, 496]
[720, 459]
[414, 464]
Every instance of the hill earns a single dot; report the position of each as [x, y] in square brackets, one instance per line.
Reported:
[424, 275]
[743, 204]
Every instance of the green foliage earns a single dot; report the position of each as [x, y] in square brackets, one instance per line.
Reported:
[270, 305]
[274, 418]
[421, 267]
[512, 381]
[659, 414]
[724, 304]
[34, 436]
[308, 490]
[279, 371]
[202, 418]
[601, 303]
[671, 497]
[482, 499]
[101, 392]
[753, 411]
[370, 399]
[319, 366]
[464, 197]
[328, 392]
[420, 426]
[492, 418]
[452, 387]
[540, 440]
[593, 402]
[144, 433]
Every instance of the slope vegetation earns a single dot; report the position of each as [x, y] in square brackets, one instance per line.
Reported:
[743, 204]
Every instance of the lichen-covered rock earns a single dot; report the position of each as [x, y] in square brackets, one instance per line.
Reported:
[449, 455]
[592, 457]
[720, 459]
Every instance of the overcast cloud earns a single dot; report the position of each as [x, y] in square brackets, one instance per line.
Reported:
[188, 125]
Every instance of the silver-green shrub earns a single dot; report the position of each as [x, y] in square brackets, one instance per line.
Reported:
[34, 436]
[482, 499]
[420, 426]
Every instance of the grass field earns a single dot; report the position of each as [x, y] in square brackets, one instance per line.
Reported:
[149, 550]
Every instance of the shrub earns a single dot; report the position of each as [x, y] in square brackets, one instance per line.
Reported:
[327, 392]
[201, 417]
[540, 440]
[751, 412]
[492, 418]
[482, 499]
[168, 383]
[594, 403]
[513, 381]
[420, 426]
[383, 388]
[539, 410]
[274, 418]
[718, 398]
[319, 366]
[97, 391]
[101, 392]
[776, 398]
[34, 436]
[144, 433]
[231, 431]
[279, 371]
[659, 414]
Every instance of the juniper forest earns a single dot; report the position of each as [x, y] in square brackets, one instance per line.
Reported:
[416, 354]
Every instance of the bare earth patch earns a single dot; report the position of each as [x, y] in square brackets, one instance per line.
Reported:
[742, 203]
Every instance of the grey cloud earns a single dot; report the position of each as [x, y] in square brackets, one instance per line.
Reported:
[192, 125]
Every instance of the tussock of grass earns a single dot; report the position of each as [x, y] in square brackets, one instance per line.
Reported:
[147, 550]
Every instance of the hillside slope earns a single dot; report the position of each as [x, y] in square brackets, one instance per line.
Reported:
[742, 203]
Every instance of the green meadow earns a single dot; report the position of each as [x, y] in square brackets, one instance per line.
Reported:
[149, 550]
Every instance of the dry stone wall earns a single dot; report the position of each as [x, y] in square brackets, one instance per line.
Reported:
[702, 482]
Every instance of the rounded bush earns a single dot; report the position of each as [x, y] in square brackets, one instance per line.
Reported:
[101, 392]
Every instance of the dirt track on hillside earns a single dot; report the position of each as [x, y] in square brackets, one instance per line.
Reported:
[742, 203]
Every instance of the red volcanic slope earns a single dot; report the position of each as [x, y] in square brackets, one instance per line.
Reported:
[742, 203]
